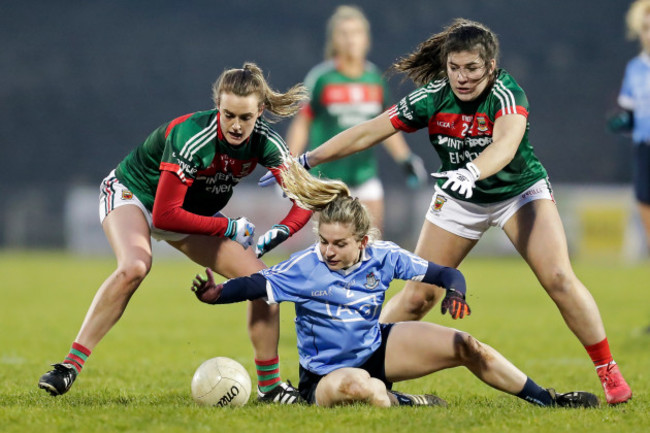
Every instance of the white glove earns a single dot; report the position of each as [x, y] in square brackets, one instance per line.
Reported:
[271, 239]
[241, 231]
[461, 180]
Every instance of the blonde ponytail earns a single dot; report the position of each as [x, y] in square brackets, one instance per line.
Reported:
[329, 197]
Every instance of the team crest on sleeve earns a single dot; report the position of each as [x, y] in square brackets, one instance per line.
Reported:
[126, 194]
[371, 281]
[438, 202]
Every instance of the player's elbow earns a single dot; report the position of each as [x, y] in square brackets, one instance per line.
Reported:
[162, 221]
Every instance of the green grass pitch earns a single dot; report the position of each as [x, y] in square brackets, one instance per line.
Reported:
[138, 377]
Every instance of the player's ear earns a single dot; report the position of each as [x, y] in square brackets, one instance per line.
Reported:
[364, 242]
[492, 66]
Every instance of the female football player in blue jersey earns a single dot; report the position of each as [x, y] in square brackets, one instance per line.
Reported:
[634, 99]
[172, 188]
[338, 287]
[477, 120]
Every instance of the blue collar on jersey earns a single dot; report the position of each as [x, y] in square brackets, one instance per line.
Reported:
[348, 271]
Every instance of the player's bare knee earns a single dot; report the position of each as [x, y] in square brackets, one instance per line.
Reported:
[132, 273]
[557, 282]
[356, 386]
[469, 350]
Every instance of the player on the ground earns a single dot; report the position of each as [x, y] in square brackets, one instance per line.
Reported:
[346, 90]
[338, 287]
[477, 118]
[172, 188]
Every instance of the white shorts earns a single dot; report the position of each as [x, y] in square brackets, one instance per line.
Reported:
[470, 220]
[370, 190]
[113, 194]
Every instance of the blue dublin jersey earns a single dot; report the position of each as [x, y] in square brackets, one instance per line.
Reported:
[635, 96]
[337, 312]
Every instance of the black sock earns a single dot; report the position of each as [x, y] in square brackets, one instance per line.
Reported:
[533, 393]
[402, 399]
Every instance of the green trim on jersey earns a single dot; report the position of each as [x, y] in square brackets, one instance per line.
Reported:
[460, 131]
[337, 103]
[192, 147]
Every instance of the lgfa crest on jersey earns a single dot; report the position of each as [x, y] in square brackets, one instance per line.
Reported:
[371, 281]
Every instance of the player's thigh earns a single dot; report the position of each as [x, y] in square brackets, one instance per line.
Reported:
[415, 349]
[442, 247]
[222, 255]
[537, 233]
[128, 233]
[341, 386]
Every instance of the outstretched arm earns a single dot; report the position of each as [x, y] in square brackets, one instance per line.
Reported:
[235, 290]
[353, 140]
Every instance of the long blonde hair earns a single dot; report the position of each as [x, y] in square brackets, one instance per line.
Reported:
[429, 61]
[250, 80]
[329, 197]
[634, 17]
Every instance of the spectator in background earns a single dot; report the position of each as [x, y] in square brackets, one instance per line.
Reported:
[634, 99]
[345, 90]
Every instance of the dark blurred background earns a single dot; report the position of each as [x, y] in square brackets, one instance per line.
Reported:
[82, 83]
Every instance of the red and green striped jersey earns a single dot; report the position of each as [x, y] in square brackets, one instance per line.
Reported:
[337, 103]
[193, 147]
[459, 131]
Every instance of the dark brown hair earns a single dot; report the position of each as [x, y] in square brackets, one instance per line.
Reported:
[428, 62]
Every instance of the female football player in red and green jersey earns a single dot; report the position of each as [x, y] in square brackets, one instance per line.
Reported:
[173, 187]
[346, 90]
[477, 118]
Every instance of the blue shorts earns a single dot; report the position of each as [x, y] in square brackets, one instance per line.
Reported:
[641, 172]
[374, 365]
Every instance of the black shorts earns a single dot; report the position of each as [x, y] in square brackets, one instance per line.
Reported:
[641, 172]
[374, 365]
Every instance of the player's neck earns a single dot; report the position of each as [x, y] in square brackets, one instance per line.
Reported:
[352, 68]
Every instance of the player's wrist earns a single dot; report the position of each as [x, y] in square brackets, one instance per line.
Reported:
[231, 228]
[473, 169]
[282, 227]
[304, 161]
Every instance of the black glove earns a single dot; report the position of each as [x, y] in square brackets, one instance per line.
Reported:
[455, 302]
[416, 174]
